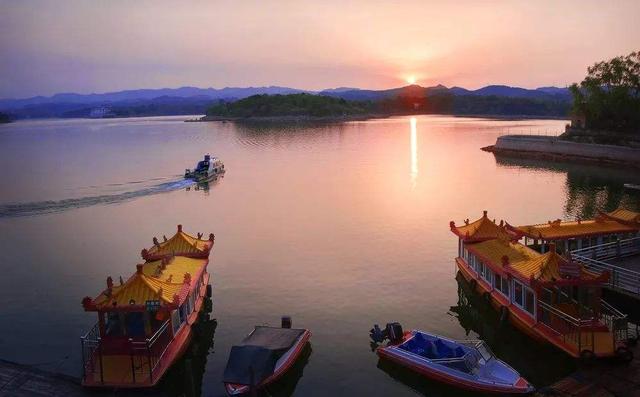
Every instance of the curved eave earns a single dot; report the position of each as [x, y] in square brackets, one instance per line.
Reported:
[532, 281]
[633, 224]
[195, 255]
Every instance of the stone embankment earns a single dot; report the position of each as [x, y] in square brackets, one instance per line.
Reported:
[554, 148]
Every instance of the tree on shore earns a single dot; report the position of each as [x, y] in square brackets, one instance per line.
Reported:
[609, 96]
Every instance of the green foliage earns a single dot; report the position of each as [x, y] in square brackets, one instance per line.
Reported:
[609, 96]
[288, 105]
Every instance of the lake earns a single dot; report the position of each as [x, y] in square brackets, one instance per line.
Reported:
[339, 226]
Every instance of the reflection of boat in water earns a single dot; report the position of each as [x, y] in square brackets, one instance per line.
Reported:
[206, 169]
[185, 377]
[263, 357]
[146, 323]
[466, 364]
[205, 185]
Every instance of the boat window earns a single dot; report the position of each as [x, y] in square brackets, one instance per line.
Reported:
[175, 321]
[183, 313]
[517, 293]
[484, 351]
[135, 324]
[529, 302]
[501, 284]
[114, 324]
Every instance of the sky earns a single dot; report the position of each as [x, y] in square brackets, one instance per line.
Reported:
[48, 47]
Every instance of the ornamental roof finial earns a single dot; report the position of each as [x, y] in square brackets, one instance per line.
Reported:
[139, 268]
[179, 228]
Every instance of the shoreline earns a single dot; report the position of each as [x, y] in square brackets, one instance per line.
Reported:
[330, 119]
[364, 117]
[555, 149]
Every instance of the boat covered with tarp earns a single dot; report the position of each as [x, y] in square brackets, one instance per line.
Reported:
[466, 364]
[262, 357]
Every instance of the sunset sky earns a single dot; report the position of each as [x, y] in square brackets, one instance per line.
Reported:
[96, 46]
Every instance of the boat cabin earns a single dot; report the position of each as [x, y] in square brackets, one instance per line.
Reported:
[144, 323]
[573, 235]
[548, 296]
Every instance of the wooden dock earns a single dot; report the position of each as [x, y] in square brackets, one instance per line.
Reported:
[602, 378]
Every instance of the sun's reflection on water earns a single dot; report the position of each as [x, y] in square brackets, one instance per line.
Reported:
[414, 152]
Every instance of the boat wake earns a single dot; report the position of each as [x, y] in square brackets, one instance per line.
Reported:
[51, 206]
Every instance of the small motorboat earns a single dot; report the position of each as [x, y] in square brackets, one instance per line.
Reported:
[263, 357]
[206, 169]
[467, 364]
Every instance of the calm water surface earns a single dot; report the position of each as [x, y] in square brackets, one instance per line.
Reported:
[339, 226]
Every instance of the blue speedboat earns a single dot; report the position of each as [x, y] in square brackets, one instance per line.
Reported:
[467, 364]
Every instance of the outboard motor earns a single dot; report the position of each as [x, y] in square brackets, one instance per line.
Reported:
[377, 335]
[394, 332]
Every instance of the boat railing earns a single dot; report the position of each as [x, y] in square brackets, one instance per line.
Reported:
[90, 343]
[569, 328]
[615, 320]
[621, 279]
[146, 355]
[580, 332]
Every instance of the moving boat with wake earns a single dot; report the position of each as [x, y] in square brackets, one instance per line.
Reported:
[263, 357]
[205, 170]
[467, 364]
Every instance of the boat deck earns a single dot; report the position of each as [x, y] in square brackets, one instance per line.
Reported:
[117, 371]
[630, 262]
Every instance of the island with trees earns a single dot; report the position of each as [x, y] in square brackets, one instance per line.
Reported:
[4, 118]
[605, 120]
[291, 106]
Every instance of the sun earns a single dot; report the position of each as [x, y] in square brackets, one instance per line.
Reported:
[411, 79]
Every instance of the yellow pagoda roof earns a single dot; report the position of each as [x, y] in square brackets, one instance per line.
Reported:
[496, 250]
[551, 267]
[165, 280]
[180, 244]
[481, 229]
[558, 229]
[624, 215]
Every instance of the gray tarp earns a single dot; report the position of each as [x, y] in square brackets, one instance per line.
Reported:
[258, 353]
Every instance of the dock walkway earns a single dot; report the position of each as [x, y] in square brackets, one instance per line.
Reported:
[21, 380]
[603, 378]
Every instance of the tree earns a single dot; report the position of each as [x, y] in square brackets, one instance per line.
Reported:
[609, 96]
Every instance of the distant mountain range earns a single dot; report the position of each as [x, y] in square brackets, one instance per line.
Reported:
[193, 100]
